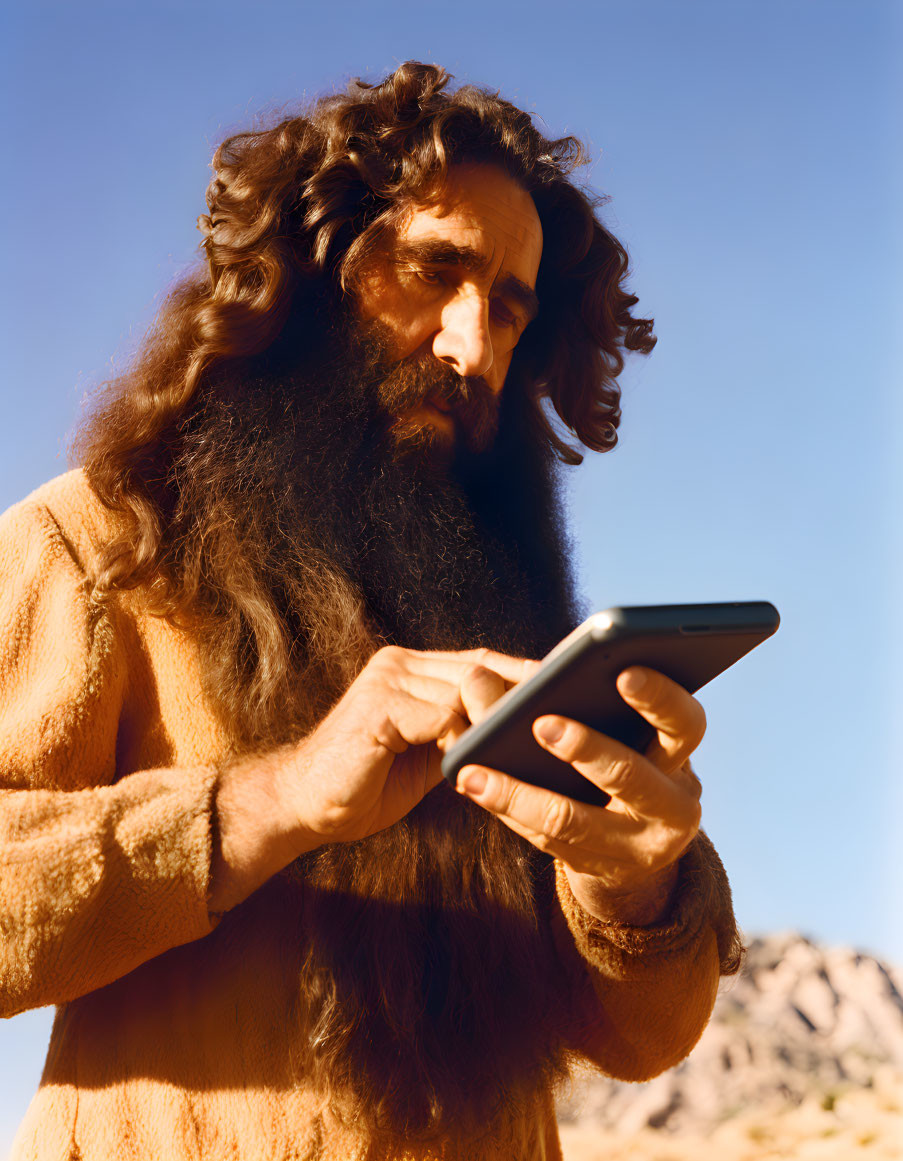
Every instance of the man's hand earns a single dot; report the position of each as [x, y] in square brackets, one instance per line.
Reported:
[378, 752]
[621, 861]
[368, 763]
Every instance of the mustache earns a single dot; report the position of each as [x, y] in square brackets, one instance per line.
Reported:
[423, 378]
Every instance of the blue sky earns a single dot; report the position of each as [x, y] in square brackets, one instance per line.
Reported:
[748, 151]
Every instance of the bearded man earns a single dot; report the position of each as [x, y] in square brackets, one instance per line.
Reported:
[314, 533]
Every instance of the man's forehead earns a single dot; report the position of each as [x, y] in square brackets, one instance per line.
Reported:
[484, 211]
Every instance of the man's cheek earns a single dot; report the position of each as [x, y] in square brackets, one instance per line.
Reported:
[496, 375]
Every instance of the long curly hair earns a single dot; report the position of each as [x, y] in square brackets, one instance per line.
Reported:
[294, 210]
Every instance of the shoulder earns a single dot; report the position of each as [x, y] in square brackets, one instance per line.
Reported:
[64, 517]
[62, 672]
[49, 544]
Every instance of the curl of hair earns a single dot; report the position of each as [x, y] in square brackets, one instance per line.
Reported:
[302, 204]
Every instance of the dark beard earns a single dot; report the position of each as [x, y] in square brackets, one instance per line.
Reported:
[427, 998]
[432, 1006]
[449, 551]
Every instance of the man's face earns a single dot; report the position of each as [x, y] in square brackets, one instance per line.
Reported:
[450, 297]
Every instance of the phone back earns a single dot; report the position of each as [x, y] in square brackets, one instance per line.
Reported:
[691, 644]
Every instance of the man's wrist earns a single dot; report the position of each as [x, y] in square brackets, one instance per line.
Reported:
[640, 906]
[256, 834]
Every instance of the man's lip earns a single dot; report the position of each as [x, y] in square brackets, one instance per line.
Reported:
[439, 404]
[429, 412]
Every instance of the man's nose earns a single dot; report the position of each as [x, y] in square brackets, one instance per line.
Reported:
[463, 340]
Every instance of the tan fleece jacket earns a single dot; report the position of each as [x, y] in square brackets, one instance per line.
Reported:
[171, 1037]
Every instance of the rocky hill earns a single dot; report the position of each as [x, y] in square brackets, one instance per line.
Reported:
[803, 1026]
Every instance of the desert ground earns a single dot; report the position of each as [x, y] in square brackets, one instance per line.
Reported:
[863, 1125]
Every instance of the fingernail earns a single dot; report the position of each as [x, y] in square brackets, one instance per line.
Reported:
[632, 681]
[472, 780]
[549, 729]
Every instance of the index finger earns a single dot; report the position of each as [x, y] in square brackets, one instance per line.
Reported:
[512, 669]
[676, 715]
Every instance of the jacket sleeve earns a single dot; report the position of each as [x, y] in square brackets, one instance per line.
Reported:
[642, 996]
[96, 875]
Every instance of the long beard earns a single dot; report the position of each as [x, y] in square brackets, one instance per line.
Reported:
[426, 1004]
[430, 1003]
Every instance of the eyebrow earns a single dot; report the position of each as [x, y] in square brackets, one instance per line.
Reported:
[439, 253]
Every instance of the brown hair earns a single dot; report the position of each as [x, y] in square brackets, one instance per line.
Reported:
[293, 210]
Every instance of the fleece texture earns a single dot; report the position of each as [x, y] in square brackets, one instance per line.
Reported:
[172, 1036]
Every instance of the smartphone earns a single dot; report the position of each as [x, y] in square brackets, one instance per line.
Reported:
[691, 644]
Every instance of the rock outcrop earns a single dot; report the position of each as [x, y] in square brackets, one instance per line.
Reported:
[801, 1024]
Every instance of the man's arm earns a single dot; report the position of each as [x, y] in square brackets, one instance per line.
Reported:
[98, 875]
[641, 995]
[95, 882]
[645, 899]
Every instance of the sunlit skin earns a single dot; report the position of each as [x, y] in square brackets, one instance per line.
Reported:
[458, 281]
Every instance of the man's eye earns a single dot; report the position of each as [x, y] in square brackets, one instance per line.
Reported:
[502, 314]
[429, 276]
